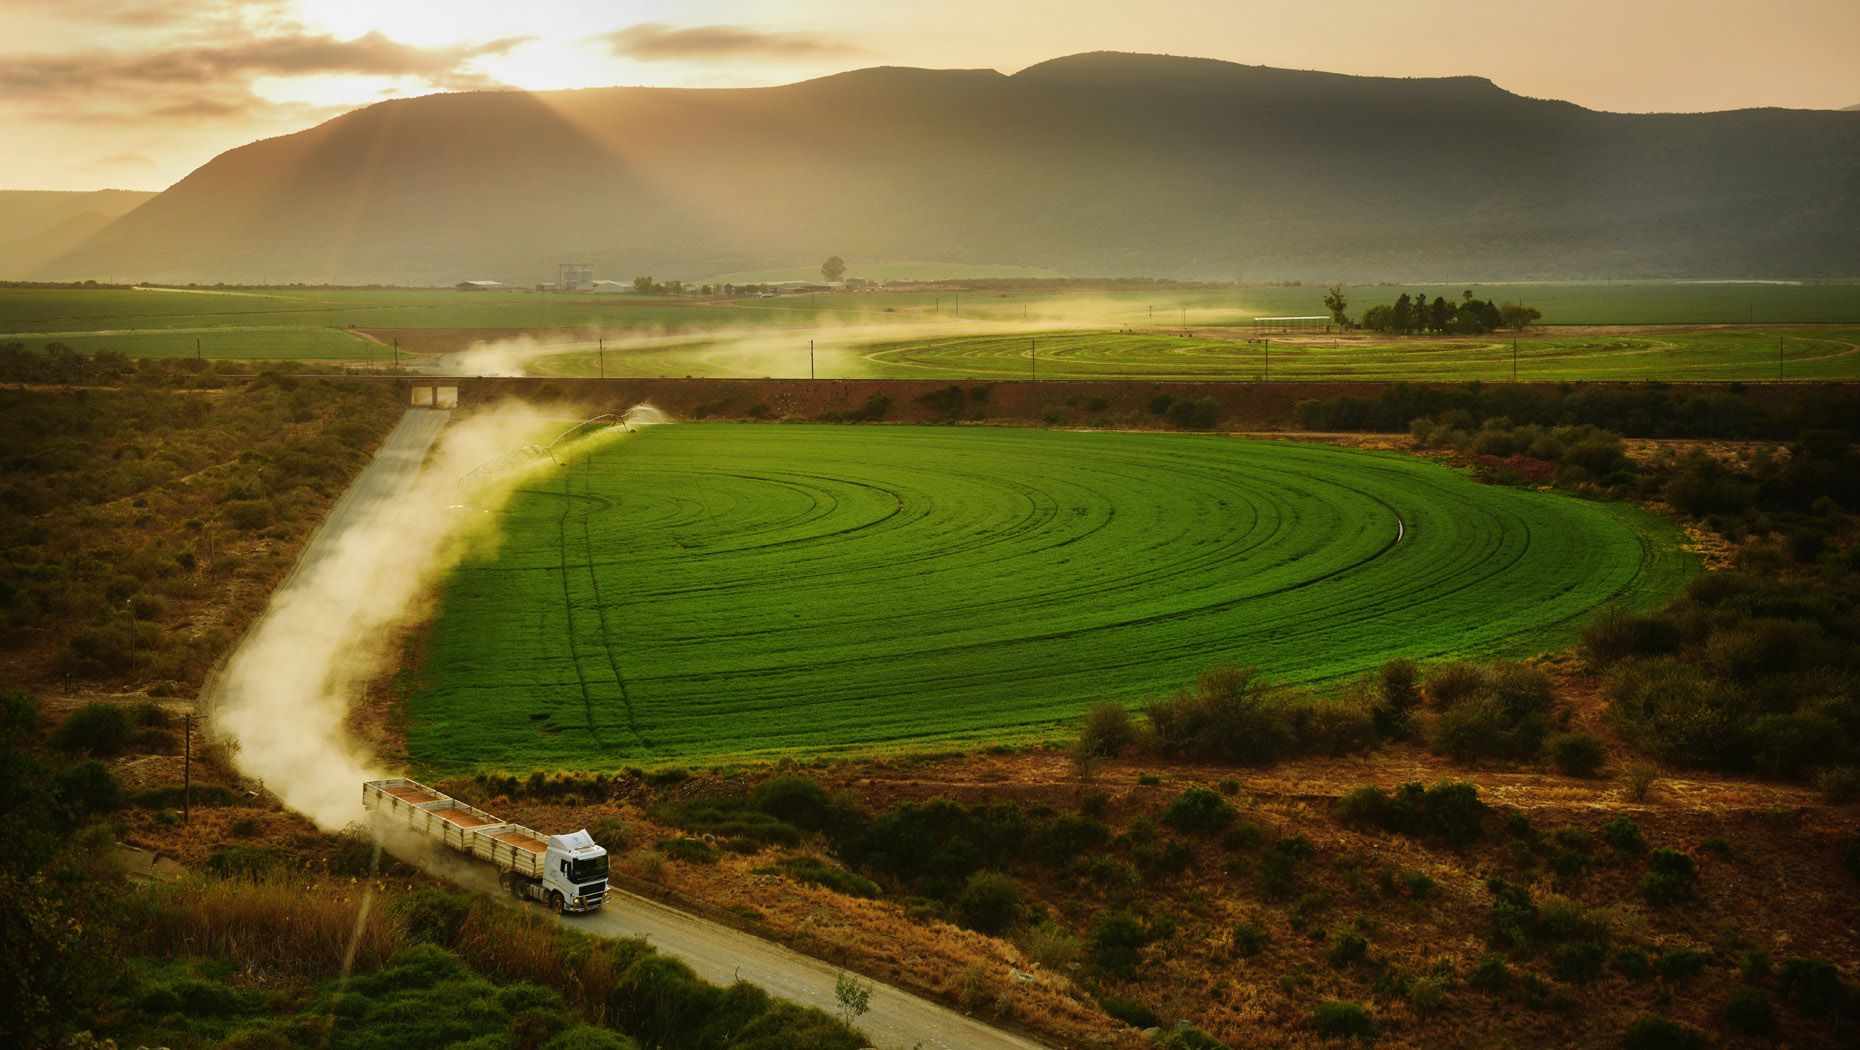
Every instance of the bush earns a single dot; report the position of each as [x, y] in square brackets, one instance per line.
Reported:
[794, 800]
[102, 729]
[1811, 985]
[1615, 635]
[691, 851]
[1132, 1013]
[1578, 962]
[87, 788]
[817, 872]
[1632, 963]
[1622, 835]
[1107, 729]
[1839, 785]
[1117, 942]
[1200, 414]
[1577, 754]
[1198, 811]
[1679, 964]
[1348, 949]
[1450, 810]
[1250, 938]
[1229, 717]
[989, 902]
[1674, 878]
[1657, 1033]
[1750, 1011]
[1339, 1020]
[1398, 693]
[432, 915]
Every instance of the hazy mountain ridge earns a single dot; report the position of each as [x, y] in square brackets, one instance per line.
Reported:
[1094, 164]
[37, 226]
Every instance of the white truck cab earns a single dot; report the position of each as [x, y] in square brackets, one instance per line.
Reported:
[576, 868]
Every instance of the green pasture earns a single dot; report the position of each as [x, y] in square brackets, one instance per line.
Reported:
[277, 322]
[708, 590]
[1731, 354]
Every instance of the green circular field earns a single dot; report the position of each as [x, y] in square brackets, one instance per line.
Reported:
[702, 590]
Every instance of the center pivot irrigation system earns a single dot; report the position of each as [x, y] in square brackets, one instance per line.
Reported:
[518, 458]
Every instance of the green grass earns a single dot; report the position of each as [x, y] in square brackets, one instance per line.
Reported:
[303, 322]
[1726, 354]
[701, 590]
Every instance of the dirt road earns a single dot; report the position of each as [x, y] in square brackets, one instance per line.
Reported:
[717, 953]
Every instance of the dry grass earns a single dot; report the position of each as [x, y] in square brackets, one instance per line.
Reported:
[275, 927]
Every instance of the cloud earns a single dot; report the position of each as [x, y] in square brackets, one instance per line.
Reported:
[656, 41]
[125, 160]
[213, 80]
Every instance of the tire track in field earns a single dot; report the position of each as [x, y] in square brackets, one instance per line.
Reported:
[568, 609]
[600, 608]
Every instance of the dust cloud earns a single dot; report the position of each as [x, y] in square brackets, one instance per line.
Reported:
[284, 697]
[841, 342]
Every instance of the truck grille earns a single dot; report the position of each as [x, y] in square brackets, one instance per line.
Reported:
[593, 889]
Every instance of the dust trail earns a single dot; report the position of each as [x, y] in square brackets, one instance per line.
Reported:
[285, 695]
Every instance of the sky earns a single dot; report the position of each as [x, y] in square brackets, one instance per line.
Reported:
[135, 94]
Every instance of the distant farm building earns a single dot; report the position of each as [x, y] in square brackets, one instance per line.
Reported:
[478, 286]
[574, 277]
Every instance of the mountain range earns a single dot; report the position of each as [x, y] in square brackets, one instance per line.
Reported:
[1096, 164]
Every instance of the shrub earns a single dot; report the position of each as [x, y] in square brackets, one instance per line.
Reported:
[1250, 938]
[1117, 941]
[1577, 962]
[88, 787]
[102, 729]
[1398, 693]
[1132, 1013]
[1230, 716]
[1050, 945]
[1068, 838]
[1107, 729]
[1340, 1020]
[1812, 985]
[1577, 754]
[989, 902]
[691, 851]
[1632, 963]
[1244, 835]
[794, 800]
[1200, 414]
[817, 872]
[432, 915]
[1622, 835]
[1674, 878]
[1679, 964]
[1615, 635]
[1198, 811]
[1492, 975]
[1750, 1011]
[1638, 782]
[1347, 949]
[1839, 785]
[1450, 810]
[1657, 1033]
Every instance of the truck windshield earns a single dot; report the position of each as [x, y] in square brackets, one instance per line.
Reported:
[588, 869]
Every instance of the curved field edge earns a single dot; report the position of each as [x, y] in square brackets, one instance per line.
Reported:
[714, 591]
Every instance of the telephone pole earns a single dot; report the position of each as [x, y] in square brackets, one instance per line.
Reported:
[602, 344]
[187, 767]
[810, 359]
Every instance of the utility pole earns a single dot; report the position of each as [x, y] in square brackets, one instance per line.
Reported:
[187, 767]
[810, 359]
[196, 348]
[958, 304]
[602, 341]
[397, 353]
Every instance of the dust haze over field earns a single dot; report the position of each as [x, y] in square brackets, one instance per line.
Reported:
[763, 349]
[286, 693]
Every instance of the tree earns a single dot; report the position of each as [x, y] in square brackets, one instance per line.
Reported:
[1336, 304]
[1517, 316]
[854, 997]
[833, 269]
[642, 285]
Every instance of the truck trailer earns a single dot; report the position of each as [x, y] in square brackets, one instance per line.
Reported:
[566, 872]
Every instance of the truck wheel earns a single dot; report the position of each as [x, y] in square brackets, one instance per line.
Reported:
[556, 902]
